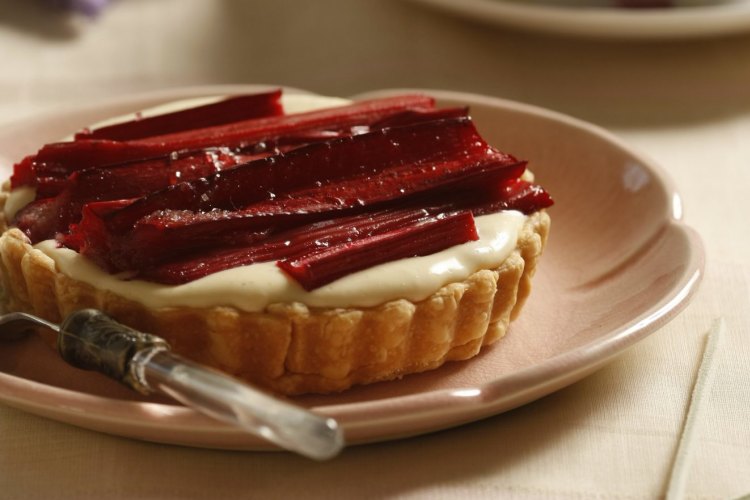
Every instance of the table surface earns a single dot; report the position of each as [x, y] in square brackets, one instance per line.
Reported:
[685, 103]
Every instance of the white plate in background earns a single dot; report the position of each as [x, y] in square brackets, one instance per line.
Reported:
[721, 18]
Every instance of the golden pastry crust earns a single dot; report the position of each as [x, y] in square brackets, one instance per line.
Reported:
[291, 348]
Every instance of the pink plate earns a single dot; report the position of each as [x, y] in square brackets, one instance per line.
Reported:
[619, 265]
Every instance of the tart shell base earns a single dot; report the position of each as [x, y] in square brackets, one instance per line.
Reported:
[290, 348]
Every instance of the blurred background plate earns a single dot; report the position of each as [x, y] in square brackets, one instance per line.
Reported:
[721, 18]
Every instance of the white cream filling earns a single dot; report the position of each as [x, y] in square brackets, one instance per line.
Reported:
[17, 199]
[253, 287]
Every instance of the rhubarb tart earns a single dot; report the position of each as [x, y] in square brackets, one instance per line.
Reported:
[303, 243]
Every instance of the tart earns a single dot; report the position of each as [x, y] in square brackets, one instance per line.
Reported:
[304, 252]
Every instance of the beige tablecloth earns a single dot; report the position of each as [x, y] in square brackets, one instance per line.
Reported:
[613, 435]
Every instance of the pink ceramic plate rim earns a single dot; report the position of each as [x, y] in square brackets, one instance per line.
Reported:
[395, 416]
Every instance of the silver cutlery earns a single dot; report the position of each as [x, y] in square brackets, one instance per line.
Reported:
[91, 340]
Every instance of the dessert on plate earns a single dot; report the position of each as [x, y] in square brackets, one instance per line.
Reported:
[302, 243]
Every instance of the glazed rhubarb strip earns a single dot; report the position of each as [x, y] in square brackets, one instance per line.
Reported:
[413, 116]
[46, 216]
[60, 159]
[349, 157]
[401, 119]
[514, 194]
[168, 233]
[151, 174]
[423, 238]
[511, 194]
[286, 245]
[237, 134]
[48, 187]
[65, 157]
[231, 110]
[56, 161]
[132, 179]
[324, 265]
[94, 214]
